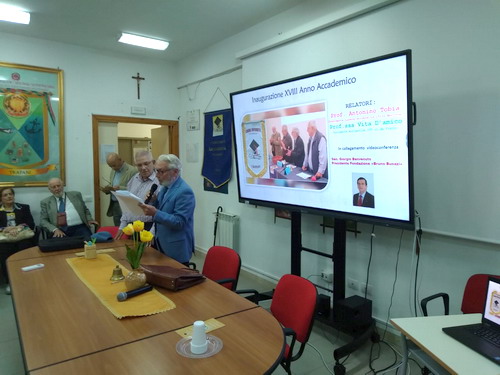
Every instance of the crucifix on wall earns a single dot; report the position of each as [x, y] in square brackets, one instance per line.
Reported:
[138, 78]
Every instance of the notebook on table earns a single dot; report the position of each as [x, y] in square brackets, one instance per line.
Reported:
[483, 337]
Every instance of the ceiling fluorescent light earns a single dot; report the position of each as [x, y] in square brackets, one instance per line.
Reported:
[142, 41]
[12, 14]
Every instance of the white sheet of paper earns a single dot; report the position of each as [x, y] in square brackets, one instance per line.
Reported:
[303, 175]
[128, 202]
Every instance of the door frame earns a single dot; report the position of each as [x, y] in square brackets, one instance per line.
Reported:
[173, 128]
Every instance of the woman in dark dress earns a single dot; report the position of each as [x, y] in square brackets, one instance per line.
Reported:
[13, 217]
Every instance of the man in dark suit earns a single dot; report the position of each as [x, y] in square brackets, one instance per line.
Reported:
[363, 198]
[65, 214]
[296, 155]
[173, 211]
[286, 142]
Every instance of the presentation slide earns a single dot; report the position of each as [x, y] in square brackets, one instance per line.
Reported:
[335, 140]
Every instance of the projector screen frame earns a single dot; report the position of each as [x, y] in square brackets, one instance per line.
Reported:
[410, 118]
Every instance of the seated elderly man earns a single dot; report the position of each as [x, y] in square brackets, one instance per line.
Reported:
[65, 213]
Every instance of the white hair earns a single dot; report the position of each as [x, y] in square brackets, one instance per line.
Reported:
[172, 160]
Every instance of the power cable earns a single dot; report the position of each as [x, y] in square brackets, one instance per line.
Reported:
[394, 283]
[372, 236]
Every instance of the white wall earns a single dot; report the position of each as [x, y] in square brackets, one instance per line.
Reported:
[95, 82]
[455, 78]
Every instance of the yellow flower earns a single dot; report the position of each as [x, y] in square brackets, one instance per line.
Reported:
[128, 230]
[146, 236]
[138, 225]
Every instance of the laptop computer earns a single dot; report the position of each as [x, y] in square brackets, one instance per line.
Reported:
[481, 337]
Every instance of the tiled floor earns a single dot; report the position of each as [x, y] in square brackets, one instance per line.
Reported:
[317, 358]
[11, 361]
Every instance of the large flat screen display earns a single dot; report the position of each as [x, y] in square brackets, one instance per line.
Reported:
[336, 142]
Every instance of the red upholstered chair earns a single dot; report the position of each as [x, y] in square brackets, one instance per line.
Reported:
[222, 265]
[473, 299]
[112, 230]
[294, 306]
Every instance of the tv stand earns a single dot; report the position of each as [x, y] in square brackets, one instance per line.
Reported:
[360, 333]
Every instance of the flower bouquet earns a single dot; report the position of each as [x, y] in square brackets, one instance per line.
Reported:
[136, 278]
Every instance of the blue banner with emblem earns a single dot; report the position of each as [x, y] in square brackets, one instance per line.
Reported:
[217, 150]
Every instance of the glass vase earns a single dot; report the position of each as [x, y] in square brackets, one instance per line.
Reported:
[135, 279]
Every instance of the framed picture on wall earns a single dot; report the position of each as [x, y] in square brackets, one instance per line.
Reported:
[31, 125]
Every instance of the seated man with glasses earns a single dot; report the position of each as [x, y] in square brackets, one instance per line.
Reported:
[172, 211]
[140, 185]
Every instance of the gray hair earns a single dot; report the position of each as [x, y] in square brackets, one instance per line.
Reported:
[296, 130]
[312, 124]
[145, 153]
[172, 160]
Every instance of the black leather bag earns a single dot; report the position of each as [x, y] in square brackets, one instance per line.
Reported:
[61, 243]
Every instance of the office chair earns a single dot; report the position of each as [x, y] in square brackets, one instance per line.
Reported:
[222, 265]
[473, 298]
[294, 306]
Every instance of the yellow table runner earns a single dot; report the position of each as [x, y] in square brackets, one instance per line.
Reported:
[96, 273]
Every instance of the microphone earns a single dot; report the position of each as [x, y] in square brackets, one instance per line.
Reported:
[122, 296]
[151, 192]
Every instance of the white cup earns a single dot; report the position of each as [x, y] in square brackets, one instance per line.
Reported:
[199, 338]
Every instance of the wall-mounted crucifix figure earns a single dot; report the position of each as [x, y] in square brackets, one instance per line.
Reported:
[138, 78]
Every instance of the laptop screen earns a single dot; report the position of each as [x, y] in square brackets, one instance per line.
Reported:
[491, 312]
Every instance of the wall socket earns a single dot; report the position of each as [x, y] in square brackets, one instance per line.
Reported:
[359, 286]
[327, 276]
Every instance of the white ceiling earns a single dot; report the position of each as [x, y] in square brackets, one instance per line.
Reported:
[189, 25]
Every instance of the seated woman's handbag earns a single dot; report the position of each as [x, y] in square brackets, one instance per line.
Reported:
[15, 236]
[171, 278]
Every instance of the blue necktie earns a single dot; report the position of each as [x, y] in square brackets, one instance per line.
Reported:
[62, 207]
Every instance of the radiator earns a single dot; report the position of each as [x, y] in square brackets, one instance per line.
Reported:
[227, 230]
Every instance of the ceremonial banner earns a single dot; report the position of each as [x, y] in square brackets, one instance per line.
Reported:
[218, 149]
[31, 125]
[254, 139]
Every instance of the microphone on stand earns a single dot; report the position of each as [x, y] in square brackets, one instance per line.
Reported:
[122, 296]
[150, 194]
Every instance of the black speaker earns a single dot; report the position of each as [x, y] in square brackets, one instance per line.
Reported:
[323, 305]
[352, 314]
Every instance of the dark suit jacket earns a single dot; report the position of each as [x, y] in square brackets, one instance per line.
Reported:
[298, 153]
[174, 220]
[48, 213]
[368, 200]
[23, 216]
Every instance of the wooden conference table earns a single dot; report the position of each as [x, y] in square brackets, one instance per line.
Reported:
[453, 357]
[65, 329]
